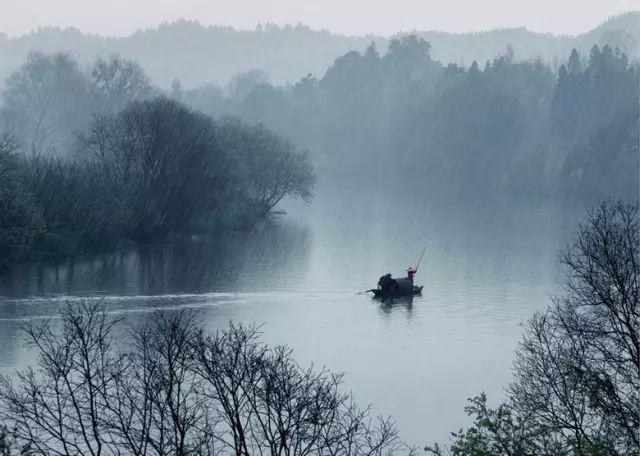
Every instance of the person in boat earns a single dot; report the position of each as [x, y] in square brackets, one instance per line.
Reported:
[411, 271]
[386, 282]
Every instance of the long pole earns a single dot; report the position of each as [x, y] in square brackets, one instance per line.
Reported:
[421, 255]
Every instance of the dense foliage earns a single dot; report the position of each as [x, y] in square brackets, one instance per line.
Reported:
[595, 113]
[127, 164]
[20, 220]
[513, 127]
[576, 389]
[99, 158]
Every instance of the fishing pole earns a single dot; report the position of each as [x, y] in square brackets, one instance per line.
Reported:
[420, 260]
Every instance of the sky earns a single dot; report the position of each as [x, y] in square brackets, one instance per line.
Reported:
[353, 17]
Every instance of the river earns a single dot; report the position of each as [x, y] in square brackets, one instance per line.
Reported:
[485, 271]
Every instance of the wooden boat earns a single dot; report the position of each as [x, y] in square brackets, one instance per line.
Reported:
[400, 287]
[378, 293]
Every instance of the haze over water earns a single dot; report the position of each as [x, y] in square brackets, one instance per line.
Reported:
[485, 271]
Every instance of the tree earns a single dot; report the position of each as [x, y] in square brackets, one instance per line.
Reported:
[157, 406]
[576, 388]
[268, 105]
[408, 57]
[242, 84]
[177, 390]
[21, 219]
[578, 367]
[46, 101]
[268, 167]
[206, 98]
[269, 403]
[158, 155]
[8, 442]
[118, 82]
[500, 431]
[177, 92]
[589, 97]
[607, 164]
[155, 169]
[60, 408]
[305, 89]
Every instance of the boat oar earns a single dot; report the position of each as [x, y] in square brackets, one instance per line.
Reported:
[364, 292]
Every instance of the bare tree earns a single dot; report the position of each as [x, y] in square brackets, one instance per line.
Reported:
[47, 100]
[576, 389]
[228, 362]
[175, 390]
[59, 408]
[270, 405]
[578, 367]
[8, 440]
[158, 407]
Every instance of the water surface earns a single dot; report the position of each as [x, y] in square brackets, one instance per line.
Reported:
[485, 272]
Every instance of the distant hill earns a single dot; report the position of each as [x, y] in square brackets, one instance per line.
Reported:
[195, 54]
[622, 31]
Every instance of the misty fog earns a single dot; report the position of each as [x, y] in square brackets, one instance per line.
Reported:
[270, 177]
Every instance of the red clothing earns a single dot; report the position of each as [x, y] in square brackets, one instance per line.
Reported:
[410, 274]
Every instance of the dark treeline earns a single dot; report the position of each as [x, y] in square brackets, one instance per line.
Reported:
[503, 127]
[93, 159]
[101, 155]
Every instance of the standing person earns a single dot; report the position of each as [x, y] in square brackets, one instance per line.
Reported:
[411, 271]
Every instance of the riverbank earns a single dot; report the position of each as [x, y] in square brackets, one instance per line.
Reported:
[155, 171]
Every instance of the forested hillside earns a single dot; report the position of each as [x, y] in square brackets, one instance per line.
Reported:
[92, 160]
[195, 54]
[99, 154]
[501, 127]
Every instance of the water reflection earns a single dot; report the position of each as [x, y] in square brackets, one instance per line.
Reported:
[415, 358]
[259, 259]
[403, 303]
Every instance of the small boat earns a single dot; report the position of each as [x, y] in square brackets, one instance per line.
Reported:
[399, 287]
[377, 293]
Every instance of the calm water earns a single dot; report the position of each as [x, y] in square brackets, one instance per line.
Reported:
[485, 271]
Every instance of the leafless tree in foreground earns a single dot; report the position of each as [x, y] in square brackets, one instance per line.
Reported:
[59, 408]
[268, 404]
[176, 390]
[576, 389]
[578, 368]
[157, 407]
